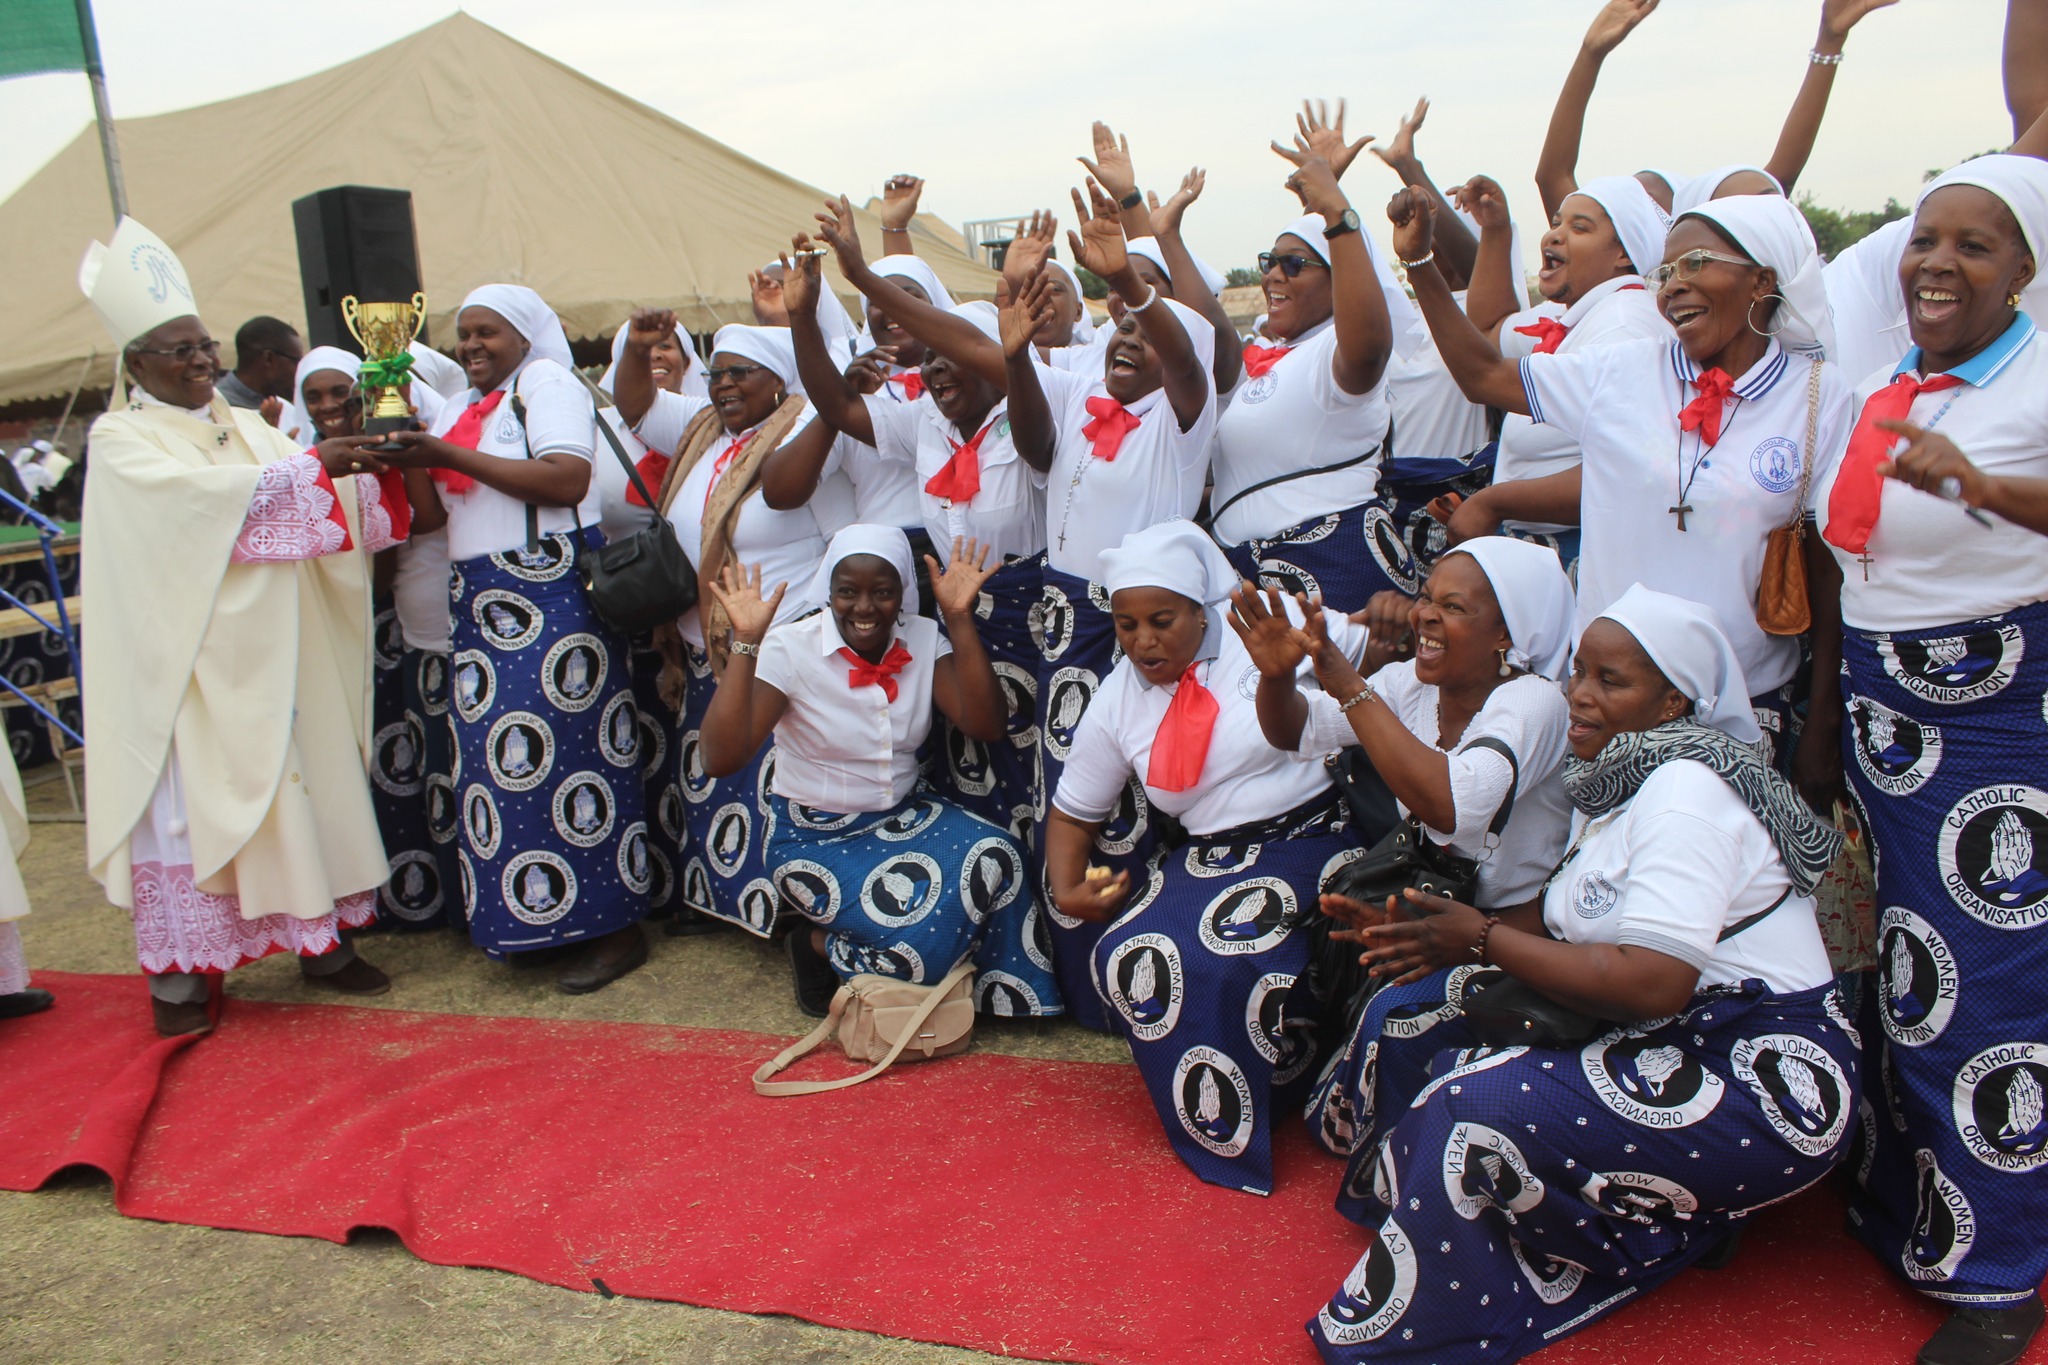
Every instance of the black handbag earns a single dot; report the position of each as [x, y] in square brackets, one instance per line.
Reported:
[638, 581]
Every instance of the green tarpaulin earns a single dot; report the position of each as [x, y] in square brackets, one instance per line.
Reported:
[39, 35]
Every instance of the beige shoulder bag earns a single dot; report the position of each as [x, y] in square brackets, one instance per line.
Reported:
[883, 1020]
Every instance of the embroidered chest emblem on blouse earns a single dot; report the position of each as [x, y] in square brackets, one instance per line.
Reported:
[1593, 895]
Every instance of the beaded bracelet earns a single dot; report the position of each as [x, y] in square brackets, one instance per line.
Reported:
[1819, 58]
[1485, 932]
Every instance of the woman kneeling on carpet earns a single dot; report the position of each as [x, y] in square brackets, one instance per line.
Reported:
[1199, 964]
[1521, 1192]
[887, 879]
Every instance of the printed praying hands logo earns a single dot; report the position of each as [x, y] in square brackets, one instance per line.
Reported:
[2022, 1106]
[1144, 980]
[1208, 1100]
[2012, 858]
[1657, 1066]
[1802, 1090]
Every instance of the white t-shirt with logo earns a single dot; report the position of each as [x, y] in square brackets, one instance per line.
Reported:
[1620, 403]
[1157, 475]
[1672, 867]
[1432, 419]
[1007, 514]
[559, 417]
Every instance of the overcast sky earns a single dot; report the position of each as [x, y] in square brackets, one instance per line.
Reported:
[991, 102]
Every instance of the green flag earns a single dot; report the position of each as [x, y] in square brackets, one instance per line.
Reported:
[40, 35]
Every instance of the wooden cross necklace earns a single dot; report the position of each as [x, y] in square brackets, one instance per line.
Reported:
[1685, 479]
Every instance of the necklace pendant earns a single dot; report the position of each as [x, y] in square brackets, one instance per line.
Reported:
[1679, 512]
[1864, 560]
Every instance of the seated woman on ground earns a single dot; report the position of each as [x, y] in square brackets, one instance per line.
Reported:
[882, 877]
[1521, 1192]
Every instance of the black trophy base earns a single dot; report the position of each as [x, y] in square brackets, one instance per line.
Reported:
[387, 426]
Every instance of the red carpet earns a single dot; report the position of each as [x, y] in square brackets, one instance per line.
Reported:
[1018, 1207]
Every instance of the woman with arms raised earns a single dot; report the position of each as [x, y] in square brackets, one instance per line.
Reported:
[882, 877]
[1694, 450]
[1202, 960]
[1934, 516]
[1522, 1192]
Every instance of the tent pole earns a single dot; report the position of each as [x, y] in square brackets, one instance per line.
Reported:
[96, 76]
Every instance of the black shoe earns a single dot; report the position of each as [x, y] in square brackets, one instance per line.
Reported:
[816, 982]
[30, 1001]
[692, 923]
[605, 961]
[1722, 1252]
[1984, 1336]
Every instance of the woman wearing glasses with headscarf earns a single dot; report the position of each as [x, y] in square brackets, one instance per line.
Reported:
[1693, 450]
[1935, 515]
[1519, 1193]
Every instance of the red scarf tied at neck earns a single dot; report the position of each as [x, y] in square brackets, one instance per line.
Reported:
[1180, 746]
[883, 674]
[467, 431]
[1859, 488]
[1112, 422]
[1259, 359]
[1704, 414]
[960, 480]
[912, 382]
[1549, 333]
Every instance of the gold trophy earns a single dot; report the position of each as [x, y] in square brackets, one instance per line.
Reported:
[385, 331]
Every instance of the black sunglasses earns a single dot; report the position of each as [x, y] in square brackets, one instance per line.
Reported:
[1289, 263]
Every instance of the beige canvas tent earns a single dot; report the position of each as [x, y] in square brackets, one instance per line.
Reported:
[521, 170]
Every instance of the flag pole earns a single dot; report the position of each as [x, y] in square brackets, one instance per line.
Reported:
[96, 76]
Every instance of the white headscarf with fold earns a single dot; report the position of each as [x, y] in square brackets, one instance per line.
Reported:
[1149, 248]
[1673, 181]
[1536, 600]
[1684, 639]
[770, 346]
[1638, 222]
[529, 315]
[694, 382]
[1176, 555]
[1773, 232]
[913, 269]
[885, 542]
[984, 316]
[2021, 183]
[299, 424]
[1409, 333]
[1702, 188]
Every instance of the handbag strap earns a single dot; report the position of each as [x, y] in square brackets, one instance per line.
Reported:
[1747, 920]
[1797, 525]
[782, 1059]
[1263, 484]
[533, 509]
[1499, 823]
[632, 470]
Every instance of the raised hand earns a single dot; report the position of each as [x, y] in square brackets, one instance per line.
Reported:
[1837, 17]
[900, 194]
[1166, 217]
[740, 595]
[1314, 183]
[800, 279]
[1316, 135]
[1413, 213]
[1390, 636]
[1099, 245]
[1030, 248]
[769, 309]
[956, 589]
[836, 226]
[1932, 463]
[871, 369]
[646, 328]
[1269, 634]
[1029, 308]
[273, 410]
[1485, 200]
[1400, 153]
[1615, 21]
[1111, 167]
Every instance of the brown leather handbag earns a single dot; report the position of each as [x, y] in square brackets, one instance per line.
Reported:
[883, 1021]
[1781, 603]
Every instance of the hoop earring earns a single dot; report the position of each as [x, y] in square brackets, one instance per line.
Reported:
[1749, 316]
[1505, 671]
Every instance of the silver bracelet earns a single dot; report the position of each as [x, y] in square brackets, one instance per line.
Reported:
[1151, 297]
[1819, 58]
[1411, 265]
[1363, 693]
[742, 647]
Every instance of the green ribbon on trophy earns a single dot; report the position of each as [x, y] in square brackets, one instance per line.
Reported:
[385, 331]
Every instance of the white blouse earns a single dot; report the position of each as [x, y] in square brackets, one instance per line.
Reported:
[843, 748]
[559, 417]
[1431, 419]
[1157, 475]
[1620, 403]
[786, 545]
[1528, 714]
[1007, 514]
[1672, 867]
[1244, 779]
[1930, 564]
[1295, 417]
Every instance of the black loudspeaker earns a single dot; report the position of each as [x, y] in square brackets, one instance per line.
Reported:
[354, 240]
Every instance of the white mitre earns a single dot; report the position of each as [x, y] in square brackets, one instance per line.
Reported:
[135, 282]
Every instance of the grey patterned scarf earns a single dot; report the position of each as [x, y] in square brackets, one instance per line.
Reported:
[1807, 843]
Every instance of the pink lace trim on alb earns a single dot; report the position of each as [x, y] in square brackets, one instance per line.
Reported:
[294, 515]
[180, 928]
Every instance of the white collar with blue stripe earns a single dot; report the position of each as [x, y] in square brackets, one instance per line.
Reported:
[1755, 382]
[1985, 366]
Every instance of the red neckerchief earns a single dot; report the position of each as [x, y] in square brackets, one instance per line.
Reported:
[1259, 359]
[1180, 746]
[1704, 413]
[1549, 332]
[883, 674]
[1859, 488]
[912, 382]
[960, 480]
[467, 431]
[1112, 422]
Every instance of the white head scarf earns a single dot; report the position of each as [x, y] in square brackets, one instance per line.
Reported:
[915, 269]
[2021, 183]
[833, 319]
[300, 425]
[1535, 597]
[984, 316]
[530, 317]
[1773, 232]
[1409, 333]
[1702, 188]
[1638, 222]
[885, 542]
[440, 374]
[1149, 248]
[1673, 182]
[770, 346]
[1179, 556]
[1684, 639]
[693, 366]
